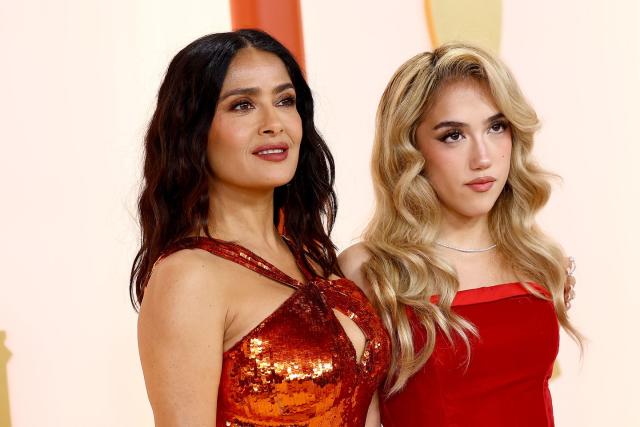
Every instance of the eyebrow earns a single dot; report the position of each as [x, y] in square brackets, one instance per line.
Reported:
[453, 124]
[254, 90]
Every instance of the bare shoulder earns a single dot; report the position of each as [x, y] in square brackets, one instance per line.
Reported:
[180, 336]
[353, 258]
[187, 278]
[184, 293]
[351, 261]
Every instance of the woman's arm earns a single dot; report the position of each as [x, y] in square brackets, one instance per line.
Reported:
[373, 414]
[180, 338]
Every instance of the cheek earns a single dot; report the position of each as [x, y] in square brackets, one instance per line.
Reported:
[226, 133]
[440, 167]
[293, 126]
[226, 141]
[505, 155]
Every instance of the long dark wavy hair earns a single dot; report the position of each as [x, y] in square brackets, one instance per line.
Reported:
[174, 202]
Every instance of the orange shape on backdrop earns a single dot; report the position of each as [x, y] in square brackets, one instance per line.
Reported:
[280, 18]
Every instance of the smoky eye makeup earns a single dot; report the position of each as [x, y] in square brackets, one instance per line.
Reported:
[451, 135]
[287, 100]
[241, 104]
[499, 126]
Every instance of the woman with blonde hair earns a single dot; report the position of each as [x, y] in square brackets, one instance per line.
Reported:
[470, 289]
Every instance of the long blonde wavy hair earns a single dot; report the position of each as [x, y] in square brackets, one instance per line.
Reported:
[405, 269]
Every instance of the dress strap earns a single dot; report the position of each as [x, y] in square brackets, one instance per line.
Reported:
[235, 253]
[308, 275]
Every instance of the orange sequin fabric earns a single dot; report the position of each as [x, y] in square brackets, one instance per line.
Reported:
[298, 367]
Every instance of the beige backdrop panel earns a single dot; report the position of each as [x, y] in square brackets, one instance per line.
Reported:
[78, 83]
[578, 62]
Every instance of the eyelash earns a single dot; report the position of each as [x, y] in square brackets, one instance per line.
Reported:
[503, 123]
[448, 135]
[287, 101]
[236, 105]
[453, 132]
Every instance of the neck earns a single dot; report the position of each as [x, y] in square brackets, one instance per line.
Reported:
[465, 232]
[242, 215]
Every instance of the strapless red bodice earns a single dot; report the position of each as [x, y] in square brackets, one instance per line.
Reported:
[506, 382]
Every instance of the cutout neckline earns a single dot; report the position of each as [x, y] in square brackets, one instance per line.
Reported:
[271, 271]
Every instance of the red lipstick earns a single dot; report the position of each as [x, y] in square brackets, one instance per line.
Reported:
[272, 152]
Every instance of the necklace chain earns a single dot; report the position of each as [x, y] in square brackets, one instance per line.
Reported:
[466, 251]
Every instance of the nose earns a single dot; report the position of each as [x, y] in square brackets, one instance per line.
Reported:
[271, 122]
[480, 156]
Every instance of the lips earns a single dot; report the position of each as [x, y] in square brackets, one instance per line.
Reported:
[481, 184]
[272, 152]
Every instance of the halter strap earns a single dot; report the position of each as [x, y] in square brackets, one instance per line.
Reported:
[308, 275]
[238, 254]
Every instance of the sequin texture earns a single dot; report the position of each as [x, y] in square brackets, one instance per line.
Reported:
[298, 367]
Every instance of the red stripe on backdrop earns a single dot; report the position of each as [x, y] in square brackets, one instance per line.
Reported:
[280, 18]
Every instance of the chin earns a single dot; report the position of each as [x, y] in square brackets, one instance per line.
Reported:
[473, 211]
[278, 180]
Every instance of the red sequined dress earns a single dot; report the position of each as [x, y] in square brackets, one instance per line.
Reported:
[506, 381]
[298, 367]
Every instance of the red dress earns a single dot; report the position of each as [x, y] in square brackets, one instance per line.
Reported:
[298, 367]
[506, 381]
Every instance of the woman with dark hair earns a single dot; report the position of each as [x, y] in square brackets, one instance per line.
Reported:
[228, 337]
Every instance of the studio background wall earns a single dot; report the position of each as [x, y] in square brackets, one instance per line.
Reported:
[78, 83]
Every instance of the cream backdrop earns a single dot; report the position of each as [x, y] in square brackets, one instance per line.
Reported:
[78, 81]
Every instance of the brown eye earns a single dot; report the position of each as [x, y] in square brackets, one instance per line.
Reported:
[288, 101]
[241, 106]
[456, 136]
[452, 136]
[498, 127]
